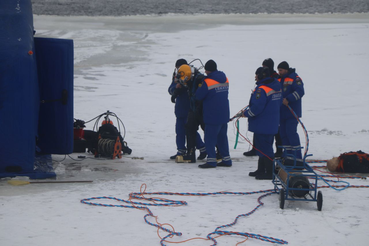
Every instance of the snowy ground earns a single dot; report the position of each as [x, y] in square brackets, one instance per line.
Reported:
[124, 64]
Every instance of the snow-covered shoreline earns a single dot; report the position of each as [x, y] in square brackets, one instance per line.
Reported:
[163, 7]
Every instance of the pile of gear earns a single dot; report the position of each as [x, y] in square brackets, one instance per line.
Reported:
[350, 162]
[103, 141]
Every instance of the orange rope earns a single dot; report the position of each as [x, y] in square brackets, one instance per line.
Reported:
[142, 191]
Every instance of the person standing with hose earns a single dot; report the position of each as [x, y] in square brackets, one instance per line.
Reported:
[263, 116]
[269, 63]
[293, 91]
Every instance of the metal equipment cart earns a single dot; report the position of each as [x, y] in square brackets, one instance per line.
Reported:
[291, 180]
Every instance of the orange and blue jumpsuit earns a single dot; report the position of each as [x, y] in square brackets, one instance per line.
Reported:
[263, 115]
[214, 95]
[293, 91]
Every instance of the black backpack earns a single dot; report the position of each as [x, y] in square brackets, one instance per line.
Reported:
[354, 162]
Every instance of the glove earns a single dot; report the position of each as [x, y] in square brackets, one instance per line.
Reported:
[173, 99]
[175, 94]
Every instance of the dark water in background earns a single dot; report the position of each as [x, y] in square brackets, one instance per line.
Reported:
[160, 7]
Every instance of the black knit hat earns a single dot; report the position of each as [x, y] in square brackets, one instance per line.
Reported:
[269, 63]
[258, 70]
[210, 66]
[262, 72]
[180, 62]
[284, 65]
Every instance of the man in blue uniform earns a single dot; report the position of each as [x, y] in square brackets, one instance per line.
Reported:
[293, 91]
[214, 95]
[179, 96]
[269, 63]
[263, 118]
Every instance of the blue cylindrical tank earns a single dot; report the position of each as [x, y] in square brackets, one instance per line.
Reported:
[19, 96]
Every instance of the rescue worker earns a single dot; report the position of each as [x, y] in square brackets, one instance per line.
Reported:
[179, 96]
[214, 95]
[263, 119]
[190, 78]
[292, 92]
[269, 63]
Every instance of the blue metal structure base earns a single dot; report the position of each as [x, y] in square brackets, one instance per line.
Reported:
[36, 93]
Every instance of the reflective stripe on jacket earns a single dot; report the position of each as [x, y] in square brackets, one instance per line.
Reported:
[264, 107]
[214, 94]
[293, 91]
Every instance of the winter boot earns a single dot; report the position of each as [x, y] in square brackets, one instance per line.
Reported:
[268, 170]
[252, 152]
[260, 169]
[180, 152]
[207, 165]
[189, 157]
[223, 164]
[202, 155]
[279, 153]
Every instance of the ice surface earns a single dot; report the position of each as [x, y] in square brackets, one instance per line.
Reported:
[124, 64]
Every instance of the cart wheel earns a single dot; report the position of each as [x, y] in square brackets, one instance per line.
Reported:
[281, 198]
[320, 201]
